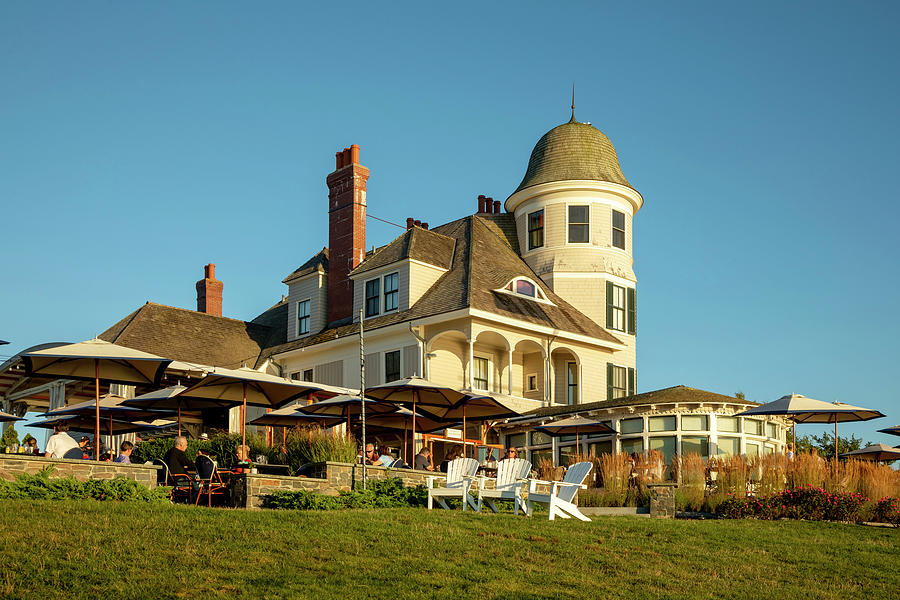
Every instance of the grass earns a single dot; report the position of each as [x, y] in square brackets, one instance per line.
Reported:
[71, 549]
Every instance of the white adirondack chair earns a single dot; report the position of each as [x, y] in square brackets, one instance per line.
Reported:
[562, 493]
[459, 478]
[510, 483]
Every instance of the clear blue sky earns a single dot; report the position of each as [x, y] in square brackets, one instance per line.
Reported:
[139, 141]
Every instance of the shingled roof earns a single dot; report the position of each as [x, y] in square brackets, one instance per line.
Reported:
[196, 337]
[680, 394]
[319, 262]
[483, 260]
[416, 243]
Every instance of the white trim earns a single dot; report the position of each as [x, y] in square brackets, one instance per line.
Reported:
[630, 195]
[535, 298]
[594, 275]
[290, 280]
[481, 314]
[413, 261]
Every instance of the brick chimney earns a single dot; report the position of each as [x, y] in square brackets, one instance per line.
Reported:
[209, 292]
[346, 229]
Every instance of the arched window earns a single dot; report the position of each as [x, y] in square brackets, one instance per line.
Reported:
[522, 286]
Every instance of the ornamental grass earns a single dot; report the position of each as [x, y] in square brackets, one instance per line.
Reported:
[691, 469]
[616, 472]
[317, 445]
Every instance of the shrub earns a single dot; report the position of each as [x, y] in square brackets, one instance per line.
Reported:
[41, 487]
[221, 446]
[887, 510]
[807, 502]
[379, 493]
[10, 437]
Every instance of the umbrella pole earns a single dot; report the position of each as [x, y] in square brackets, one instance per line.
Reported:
[835, 439]
[97, 401]
[244, 416]
[415, 397]
[179, 419]
[405, 444]
[465, 449]
[110, 437]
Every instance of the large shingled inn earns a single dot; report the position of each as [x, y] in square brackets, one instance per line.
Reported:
[534, 303]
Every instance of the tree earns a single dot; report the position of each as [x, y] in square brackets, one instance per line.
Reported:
[10, 437]
[740, 395]
[824, 444]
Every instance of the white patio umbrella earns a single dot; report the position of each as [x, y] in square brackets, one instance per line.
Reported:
[94, 360]
[895, 430]
[801, 409]
[8, 417]
[576, 425]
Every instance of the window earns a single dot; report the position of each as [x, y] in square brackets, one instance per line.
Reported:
[482, 368]
[515, 441]
[539, 438]
[694, 423]
[621, 309]
[633, 446]
[307, 375]
[579, 224]
[391, 366]
[391, 293]
[615, 307]
[666, 423]
[618, 229]
[695, 444]
[535, 230]
[752, 449]
[525, 287]
[728, 424]
[729, 446]
[631, 425]
[373, 297]
[568, 455]
[668, 445]
[303, 317]
[571, 383]
[600, 448]
[620, 381]
[772, 431]
[531, 383]
[753, 427]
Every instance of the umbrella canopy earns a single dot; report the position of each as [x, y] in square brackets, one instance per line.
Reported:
[346, 406]
[110, 406]
[895, 430]
[801, 409]
[291, 416]
[247, 386]
[95, 360]
[8, 417]
[86, 424]
[117, 364]
[418, 390]
[575, 425]
[874, 452]
[400, 419]
[481, 407]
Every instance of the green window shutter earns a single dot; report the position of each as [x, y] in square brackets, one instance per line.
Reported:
[609, 381]
[609, 304]
[632, 380]
[632, 311]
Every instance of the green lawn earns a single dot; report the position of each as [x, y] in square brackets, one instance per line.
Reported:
[80, 549]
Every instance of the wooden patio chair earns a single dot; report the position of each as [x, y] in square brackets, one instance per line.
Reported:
[561, 499]
[211, 482]
[509, 484]
[459, 479]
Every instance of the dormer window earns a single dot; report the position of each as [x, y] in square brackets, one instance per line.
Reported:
[522, 286]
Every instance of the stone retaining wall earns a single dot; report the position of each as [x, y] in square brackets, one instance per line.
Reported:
[82, 470]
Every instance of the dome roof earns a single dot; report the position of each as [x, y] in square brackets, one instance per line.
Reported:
[572, 151]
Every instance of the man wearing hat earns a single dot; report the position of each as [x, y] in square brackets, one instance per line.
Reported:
[82, 451]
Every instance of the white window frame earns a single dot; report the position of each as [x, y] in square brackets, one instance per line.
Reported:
[308, 317]
[490, 371]
[529, 378]
[625, 370]
[384, 293]
[613, 229]
[540, 294]
[619, 311]
[589, 236]
[366, 297]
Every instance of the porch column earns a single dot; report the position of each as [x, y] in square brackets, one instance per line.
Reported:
[471, 364]
[509, 377]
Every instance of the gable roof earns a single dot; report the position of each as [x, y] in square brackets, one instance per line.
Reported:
[195, 337]
[416, 243]
[483, 260]
[319, 262]
[680, 394]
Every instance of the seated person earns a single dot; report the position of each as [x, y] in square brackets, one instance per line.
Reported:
[371, 456]
[384, 459]
[177, 460]
[60, 443]
[423, 460]
[242, 454]
[205, 465]
[455, 452]
[511, 452]
[81, 451]
[31, 447]
[125, 453]
[106, 457]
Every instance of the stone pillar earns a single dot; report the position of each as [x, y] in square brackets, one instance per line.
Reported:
[662, 500]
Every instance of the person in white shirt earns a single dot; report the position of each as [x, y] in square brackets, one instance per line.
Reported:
[59, 443]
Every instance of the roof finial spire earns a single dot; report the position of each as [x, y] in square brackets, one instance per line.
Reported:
[572, 120]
